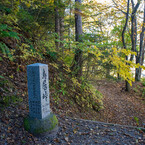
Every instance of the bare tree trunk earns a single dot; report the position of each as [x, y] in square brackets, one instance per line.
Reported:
[57, 24]
[143, 54]
[133, 35]
[77, 63]
[140, 55]
[69, 29]
[118, 77]
[61, 29]
[134, 27]
[123, 41]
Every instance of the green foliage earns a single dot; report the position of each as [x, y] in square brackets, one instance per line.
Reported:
[143, 81]
[3, 81]
[6, 51]
[5, 9]
[137, 120]
[1, 77]
[6, 31]
[86, 96]
[1, 58]
[6, 100]
[25, 20]
[26, 51]
[67, 88]
[99, 94]
[52, 54]
[136, 90]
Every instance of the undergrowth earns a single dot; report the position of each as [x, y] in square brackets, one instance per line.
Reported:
[76, 91]
[7, 92]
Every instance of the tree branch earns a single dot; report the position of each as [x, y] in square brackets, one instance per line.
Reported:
[119, 8]
[136, 6]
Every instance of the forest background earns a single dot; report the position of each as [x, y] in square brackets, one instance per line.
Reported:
[81, 41]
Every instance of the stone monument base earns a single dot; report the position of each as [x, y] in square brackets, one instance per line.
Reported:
[46, 127]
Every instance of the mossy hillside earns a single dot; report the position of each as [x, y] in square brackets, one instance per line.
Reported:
[39, 126]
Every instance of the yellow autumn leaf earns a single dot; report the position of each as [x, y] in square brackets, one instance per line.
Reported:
[28, 5]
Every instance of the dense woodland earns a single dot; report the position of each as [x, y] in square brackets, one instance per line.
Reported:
[81, 41]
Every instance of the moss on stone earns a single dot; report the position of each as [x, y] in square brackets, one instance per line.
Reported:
[40, 126]
[26, 124]
[54, 121]
[41, 130]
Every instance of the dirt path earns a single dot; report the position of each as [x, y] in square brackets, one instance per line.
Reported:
[121, 107]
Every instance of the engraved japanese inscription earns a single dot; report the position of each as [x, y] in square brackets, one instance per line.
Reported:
[38, 90]
[44, 86]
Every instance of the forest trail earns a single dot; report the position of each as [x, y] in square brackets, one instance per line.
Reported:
[120, 106]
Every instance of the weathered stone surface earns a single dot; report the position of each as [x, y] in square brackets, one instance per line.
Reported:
[38, 90]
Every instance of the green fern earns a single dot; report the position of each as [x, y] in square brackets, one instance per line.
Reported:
[6, 51]
[6, 31]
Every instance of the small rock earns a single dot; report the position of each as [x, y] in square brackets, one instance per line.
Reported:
[66, 139]
[113, 129]
[136, 141]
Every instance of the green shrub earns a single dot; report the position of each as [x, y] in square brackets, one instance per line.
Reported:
[143, 81]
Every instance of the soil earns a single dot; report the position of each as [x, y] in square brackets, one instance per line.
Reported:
[122, 107]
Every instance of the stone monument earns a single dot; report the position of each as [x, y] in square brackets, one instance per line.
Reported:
[40, 121]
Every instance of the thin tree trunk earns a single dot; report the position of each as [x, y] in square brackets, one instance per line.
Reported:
[77, 63]
[140, 55]
[125, 26]
[69, 29]
[143, 54]
[61, 30]
[133, 35]
[123, 41]
[134, 28]
[57, 25]
[118, 77]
